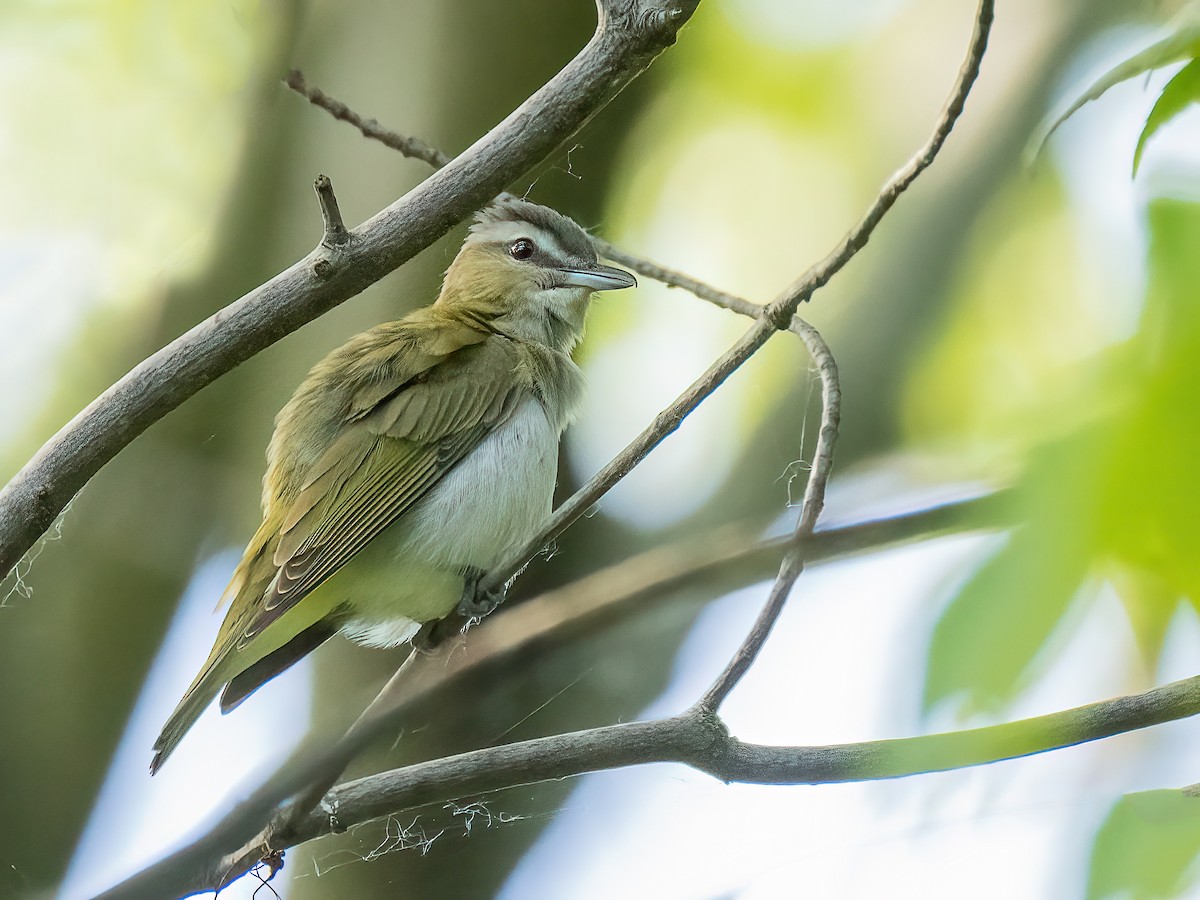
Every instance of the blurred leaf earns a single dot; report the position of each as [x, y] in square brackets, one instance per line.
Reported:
[986, 642]
[1183, 44]
[1150, 602]
[1181, 92]
[1148, 525]
[1146, 846]
[1114, 500]
[995, 383]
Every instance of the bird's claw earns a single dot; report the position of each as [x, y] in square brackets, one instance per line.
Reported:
[475, 604]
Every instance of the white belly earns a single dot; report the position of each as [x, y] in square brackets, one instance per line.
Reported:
[485, 507]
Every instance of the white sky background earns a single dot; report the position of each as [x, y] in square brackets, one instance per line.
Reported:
[844, 664]
[138, 819]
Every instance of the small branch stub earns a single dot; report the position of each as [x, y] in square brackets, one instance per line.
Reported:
[336, 234]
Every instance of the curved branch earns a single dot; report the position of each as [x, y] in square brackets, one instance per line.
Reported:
[810, 510]
[629, 35]
[702, 743]
[558, 615]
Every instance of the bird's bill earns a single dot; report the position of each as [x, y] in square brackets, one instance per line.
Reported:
[599, 278]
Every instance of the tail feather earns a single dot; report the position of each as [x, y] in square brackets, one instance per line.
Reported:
[194, 702]
[235, 676]
[250, 679]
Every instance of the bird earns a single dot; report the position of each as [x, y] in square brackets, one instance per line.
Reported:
[411, 459]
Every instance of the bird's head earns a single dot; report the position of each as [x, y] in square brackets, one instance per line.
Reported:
[529, 271]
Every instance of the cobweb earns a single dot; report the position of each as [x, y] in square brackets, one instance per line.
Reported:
[17, 580]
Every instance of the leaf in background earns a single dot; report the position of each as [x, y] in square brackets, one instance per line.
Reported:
[1148, 526]
[1181, 92]
[987, 641]
[1183, 44]
[1115, 500]
[1150, 602]
[1146, 845]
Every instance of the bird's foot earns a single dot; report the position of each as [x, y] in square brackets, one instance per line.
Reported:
[475, 604]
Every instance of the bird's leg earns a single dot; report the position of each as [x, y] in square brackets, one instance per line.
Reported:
[474, 603]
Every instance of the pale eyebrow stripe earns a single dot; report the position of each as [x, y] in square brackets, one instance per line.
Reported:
[510, 231]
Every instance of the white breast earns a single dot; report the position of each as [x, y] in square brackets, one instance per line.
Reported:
[493, 499]
[482, 509]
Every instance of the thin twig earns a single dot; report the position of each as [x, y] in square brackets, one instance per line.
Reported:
[387, 705]
[412, 147]
[818, 276]
[810, 510]
[776, 316]
[415, 148]
[674, 278]
[732, 554]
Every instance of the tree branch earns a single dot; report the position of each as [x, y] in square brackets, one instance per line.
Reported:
[630, 587]
[778, 315]
[629, 35]
[810, 510]
[385, 709]
[406, 145]
[698, 741]
[702, 743]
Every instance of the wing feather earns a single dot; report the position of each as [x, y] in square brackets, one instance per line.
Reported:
[385, 460]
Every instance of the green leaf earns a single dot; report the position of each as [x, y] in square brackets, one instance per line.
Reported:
[1148, 524]
[1183, 44]
[1146, 845]
[1181, 92]
[987, 640]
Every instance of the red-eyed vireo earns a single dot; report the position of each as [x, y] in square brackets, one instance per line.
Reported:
[411, 459]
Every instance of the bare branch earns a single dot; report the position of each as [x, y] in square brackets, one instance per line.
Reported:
[695, 740]
[412, 147]
[386, 707]
[776, 316]
[703, 744]
[810, 510]
[630, 34]
[818, 276]
[415, 148]
[678, 279]
[733, 554]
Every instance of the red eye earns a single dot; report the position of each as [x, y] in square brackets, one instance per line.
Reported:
[522, 248]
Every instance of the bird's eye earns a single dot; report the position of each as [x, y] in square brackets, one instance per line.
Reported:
[522, 248]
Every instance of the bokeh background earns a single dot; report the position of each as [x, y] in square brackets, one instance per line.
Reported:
[1008, 326]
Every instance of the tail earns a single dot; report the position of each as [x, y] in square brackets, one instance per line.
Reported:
[239, 680]
[194, 702]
